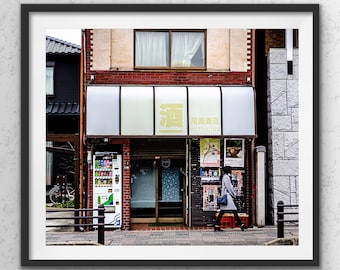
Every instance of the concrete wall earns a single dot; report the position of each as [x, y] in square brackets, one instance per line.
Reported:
[283, 125]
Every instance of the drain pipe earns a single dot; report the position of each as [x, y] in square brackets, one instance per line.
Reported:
[260, 185]
[289, 48]
[89, 182]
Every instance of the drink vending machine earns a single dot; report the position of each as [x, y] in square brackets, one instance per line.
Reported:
[107, 186]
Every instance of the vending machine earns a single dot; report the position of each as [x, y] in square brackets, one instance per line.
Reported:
[107, 186]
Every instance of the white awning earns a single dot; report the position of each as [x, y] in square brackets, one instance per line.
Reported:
[102, 110]
[171, 111]
[176, 111]
[204, 111]
[137, 111]
[238, 111]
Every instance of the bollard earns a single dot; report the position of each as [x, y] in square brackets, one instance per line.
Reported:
[101, 224]
[280, 219]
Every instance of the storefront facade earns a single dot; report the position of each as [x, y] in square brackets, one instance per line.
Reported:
[174, 129]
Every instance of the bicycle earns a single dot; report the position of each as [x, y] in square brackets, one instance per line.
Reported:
[60, 193]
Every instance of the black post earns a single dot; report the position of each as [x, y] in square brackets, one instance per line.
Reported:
[101, 224]
[60, 190]
[280, 219]
[63, 189]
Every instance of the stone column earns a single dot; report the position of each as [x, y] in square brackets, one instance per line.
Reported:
[260, 186]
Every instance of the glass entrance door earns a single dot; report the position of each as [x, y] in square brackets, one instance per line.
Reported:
[170, 189]
[143, 189]
[157, 190]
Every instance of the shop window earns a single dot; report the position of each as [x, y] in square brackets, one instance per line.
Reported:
[50, 78]
[170, 49]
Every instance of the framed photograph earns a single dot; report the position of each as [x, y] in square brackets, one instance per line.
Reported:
[292, 146]
[234, 152]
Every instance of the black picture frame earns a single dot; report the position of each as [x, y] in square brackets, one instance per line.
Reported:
[28, 10]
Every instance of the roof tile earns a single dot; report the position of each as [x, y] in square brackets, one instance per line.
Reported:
[58, 46]
[62, 108]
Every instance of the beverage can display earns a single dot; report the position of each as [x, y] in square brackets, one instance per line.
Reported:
[107, 185]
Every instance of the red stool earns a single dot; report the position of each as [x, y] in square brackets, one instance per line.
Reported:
[227, 221]
[243, 218]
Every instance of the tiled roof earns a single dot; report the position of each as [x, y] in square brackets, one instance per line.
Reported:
[62, 108]
[58, 46]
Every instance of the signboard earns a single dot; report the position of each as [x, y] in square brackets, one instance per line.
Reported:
[171, 111]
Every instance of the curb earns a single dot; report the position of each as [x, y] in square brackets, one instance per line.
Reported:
[283, 241]
[70, 243]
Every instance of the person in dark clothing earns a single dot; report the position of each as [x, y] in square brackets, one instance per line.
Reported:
[227, 189]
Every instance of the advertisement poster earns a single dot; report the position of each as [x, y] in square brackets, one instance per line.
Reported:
[210, 193]
[210, 175]
[237, 181]
[210, 152]
[234, 152]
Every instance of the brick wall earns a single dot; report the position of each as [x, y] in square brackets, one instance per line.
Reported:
[203, 218]
[274, 39]
[170, 77]
[198, 216]
[126, 193]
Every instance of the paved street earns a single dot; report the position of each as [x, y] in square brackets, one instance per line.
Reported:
[162, 235]
[192, 237]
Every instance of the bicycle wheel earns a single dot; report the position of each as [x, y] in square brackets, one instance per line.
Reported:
[70, 193]
[54, 195]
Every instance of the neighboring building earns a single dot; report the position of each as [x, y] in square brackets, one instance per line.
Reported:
[277, 75]
[62, 110]
[177, 113]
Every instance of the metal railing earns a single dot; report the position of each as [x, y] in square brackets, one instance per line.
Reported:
[281, 217]
[100, 224]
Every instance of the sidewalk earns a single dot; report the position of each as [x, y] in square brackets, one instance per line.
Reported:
[191, 237]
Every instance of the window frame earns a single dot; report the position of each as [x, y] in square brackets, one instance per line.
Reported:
[50, 64]
[169, 67]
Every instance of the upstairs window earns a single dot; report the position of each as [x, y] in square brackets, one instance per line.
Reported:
[170, 49]
[50, 78]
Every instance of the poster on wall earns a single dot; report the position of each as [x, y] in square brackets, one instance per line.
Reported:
[210, 193]
[210, 152]
[210, 175]
[237, 181]
[234, 152]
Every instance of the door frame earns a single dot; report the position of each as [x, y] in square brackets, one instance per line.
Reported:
[158, 219]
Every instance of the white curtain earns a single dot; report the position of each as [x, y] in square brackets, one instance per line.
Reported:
[151, 49]
[49, 80]
[185, 45]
